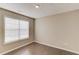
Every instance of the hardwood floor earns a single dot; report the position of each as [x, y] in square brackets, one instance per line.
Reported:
[39, 49]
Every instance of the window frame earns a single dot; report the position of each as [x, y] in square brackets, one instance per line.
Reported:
[19, 30]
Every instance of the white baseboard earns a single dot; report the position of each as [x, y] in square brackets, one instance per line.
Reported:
[15, 48]
[57, 47]
[39, 43]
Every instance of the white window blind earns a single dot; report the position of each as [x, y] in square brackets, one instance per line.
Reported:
[24, 29]
[15, 30]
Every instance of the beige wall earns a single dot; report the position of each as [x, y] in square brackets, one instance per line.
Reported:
[6, 47]
[60, 31]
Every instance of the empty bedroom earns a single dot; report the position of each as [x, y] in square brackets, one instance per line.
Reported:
[39, 28]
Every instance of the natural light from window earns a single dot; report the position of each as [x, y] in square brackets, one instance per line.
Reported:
[15, 30]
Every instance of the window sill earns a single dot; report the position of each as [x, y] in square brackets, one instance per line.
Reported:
[15, 41]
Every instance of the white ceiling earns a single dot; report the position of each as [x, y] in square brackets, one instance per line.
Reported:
[45, 9]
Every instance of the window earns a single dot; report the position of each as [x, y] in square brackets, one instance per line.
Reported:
[24, 29]
[15, 30]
